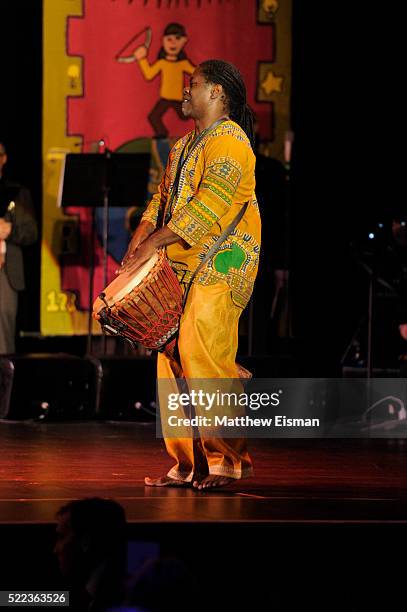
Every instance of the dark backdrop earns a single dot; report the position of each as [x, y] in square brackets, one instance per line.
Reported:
[336, 171]
[20, 123]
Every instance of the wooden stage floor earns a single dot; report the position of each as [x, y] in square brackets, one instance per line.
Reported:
[44, 465]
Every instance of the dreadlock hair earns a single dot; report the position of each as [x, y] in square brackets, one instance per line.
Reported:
[226, 74]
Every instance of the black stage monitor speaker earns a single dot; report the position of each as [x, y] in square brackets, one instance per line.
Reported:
[54, 387]
[128, 388]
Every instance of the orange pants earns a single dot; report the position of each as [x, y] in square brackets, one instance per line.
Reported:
[207, 346]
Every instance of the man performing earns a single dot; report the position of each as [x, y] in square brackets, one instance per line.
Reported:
[213, 171]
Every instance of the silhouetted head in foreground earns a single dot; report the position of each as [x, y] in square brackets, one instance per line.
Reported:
[91, 549]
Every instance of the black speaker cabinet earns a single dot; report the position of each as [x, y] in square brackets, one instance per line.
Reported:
[54, 387]
[128, 388]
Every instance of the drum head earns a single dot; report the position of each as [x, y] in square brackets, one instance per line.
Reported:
[125, 282]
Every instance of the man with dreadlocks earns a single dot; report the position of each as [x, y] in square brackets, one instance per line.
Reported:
[213, 171]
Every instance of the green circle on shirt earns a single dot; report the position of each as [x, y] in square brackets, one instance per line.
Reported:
[229, 258]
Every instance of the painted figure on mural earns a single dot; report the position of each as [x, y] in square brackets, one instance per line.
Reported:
[172, 63]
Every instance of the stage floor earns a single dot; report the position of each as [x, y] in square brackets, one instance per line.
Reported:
[44, 465]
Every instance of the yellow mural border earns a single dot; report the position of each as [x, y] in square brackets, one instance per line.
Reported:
[282, 69]
[62, 78]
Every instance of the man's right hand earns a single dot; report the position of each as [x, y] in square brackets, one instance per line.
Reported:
[143, 231]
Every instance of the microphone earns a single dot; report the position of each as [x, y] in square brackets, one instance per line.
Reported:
[99, 144]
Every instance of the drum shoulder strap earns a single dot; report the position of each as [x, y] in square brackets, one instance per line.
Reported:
[184, 158]
[215, 248]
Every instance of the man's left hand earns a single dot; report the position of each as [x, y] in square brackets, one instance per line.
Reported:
[5, 229]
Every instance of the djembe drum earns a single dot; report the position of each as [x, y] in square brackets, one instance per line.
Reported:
[143, 307]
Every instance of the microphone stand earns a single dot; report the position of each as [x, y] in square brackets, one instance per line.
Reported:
[373, 278]
[106, 189]
[370, 311]
[369, 373]
[285, 277]
[91, 283]
[105, 234]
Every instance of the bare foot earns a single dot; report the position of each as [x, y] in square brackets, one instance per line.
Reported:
[165, 481]
[213, 482]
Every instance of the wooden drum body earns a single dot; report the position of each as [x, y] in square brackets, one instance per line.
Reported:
[143, 307]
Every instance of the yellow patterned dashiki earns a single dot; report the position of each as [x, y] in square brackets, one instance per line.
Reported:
[215, 181]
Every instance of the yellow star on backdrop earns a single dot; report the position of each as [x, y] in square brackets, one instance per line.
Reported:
[271, 83]
[270, 6]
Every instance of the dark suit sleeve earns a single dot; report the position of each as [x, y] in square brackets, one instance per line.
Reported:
[24, 225]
